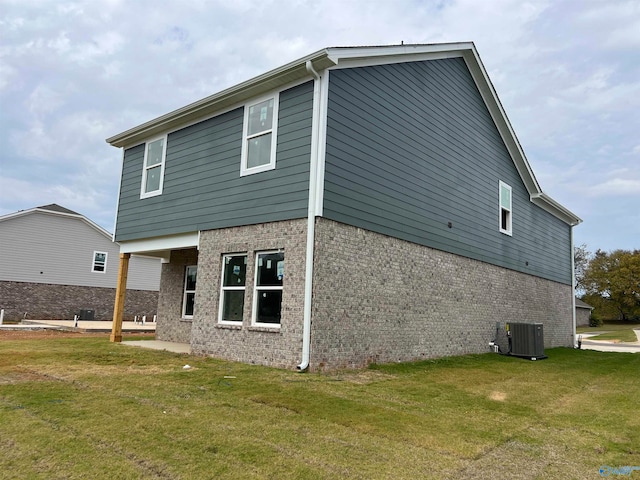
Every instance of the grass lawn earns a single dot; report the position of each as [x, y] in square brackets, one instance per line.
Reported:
[76, 408]
[614, 331]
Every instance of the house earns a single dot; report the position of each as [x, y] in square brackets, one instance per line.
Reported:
[358, 205]
[55, 262]
[583, 313]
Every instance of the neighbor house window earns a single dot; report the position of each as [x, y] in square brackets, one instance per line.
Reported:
[267, 295]
[189, 297]
[505, 208]
[234, 275]
[259, 136]
[99, 262]
[153, 171]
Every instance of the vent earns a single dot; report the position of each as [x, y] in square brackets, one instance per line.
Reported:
[527, 340]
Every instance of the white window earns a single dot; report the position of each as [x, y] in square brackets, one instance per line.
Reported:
[259, 136]
[189, 298]
[267, 294]
[505, 208]
[99, 262]
[234, 275]
[153, 170]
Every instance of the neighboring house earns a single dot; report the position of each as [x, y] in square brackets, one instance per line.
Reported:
[583, 313]
[365, 204]
[55, 262]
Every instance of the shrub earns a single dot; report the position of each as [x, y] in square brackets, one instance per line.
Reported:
[595, 320]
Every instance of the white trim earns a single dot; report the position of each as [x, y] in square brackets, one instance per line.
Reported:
[509, 229]
[224, 289]
[115, 217]
[146, 168]
[93, 263]
[185, 291]
[322, 142]
[254, 303]
[349, 62]
[155, 244]
[273, 131]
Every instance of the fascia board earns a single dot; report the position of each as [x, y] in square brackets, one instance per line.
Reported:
[208, 106]
[338, 54]
[547, 203]
[160, 246]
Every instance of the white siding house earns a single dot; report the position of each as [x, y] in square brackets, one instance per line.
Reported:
[46, 251]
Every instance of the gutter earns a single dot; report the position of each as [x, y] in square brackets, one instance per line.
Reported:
[311, 220]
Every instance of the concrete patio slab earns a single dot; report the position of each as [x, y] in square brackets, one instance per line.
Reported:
[160, 345]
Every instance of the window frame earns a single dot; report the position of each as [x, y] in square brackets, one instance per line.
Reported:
[185, 292]
[224, 288]
[244, 169]
[146, 168]
[501, 209]
[104, 264]
[256, 288]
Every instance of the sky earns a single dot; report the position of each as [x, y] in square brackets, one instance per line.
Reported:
[73, 73]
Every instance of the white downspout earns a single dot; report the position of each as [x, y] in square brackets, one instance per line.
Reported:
[311, 221]
[573, 288]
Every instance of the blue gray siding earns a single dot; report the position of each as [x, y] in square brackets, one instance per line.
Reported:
[203, 189]
[412, 147]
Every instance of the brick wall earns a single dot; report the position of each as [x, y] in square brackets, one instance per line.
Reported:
[171, 327]
[381, 299]
[42, 301]
[258, 345]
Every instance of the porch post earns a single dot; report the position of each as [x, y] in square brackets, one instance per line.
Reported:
[121, 290]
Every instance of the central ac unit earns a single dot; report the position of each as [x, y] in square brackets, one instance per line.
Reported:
[527, 340]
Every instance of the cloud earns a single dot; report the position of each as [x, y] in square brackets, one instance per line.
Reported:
[74, 73]
[616, 187]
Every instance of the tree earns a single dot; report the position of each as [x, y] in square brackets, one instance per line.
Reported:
[612, 282]
[581, 258]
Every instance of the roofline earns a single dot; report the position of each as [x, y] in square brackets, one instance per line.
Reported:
[332, 57]
[296, 70]
[29, 211]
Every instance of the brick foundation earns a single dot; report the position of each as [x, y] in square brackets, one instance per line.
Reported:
[42, 301]
[171, 327]
[264, 346]
[381, 299]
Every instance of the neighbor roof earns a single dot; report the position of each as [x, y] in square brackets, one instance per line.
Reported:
[581, 304]
[354, 56]
[55, 209]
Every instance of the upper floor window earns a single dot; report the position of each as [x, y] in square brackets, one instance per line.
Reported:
[153, 170]
[99, 262]
[505, 208]
[259, 136]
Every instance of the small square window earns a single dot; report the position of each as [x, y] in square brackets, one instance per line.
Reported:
[153, 170]
[505, 209]
[234, 275]
[259, 136]
[99, 262]
[189, 297]
[267, 295]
